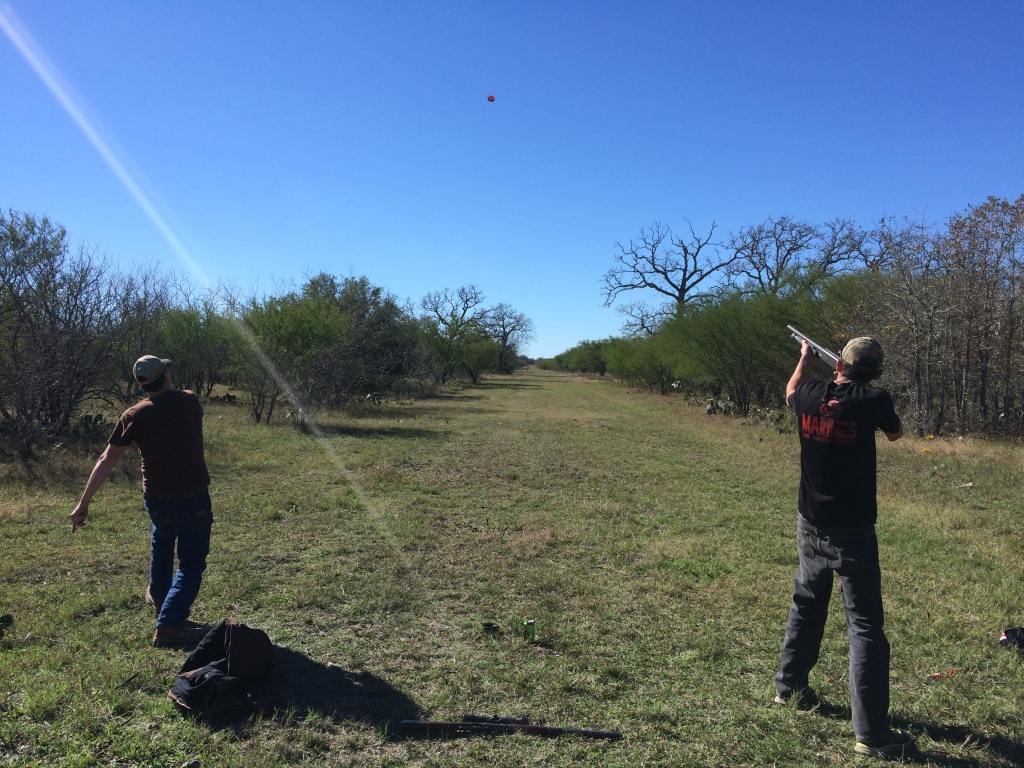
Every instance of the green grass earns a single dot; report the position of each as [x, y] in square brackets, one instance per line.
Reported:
[653, 546]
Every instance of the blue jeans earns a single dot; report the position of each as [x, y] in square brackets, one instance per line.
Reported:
[853, 554]
[186, 520]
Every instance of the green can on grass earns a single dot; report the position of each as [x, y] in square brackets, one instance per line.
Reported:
[529, 630]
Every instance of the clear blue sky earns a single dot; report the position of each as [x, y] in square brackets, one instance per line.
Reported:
[270, 141]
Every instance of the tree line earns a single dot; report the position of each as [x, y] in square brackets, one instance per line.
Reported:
[72, 323]
[945, 299]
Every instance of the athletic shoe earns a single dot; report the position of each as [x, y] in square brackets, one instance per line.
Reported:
[805, 698]
[175, 637]
[893, 745]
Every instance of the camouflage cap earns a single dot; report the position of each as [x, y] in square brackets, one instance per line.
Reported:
[149, 368]
[862, 358]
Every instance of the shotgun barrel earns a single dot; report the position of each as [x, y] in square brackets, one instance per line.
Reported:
[825, 355]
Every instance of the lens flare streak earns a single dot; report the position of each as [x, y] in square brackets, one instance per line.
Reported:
[49, 74]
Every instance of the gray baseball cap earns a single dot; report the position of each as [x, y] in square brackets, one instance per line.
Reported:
[149, 368]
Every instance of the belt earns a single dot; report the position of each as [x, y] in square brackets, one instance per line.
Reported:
[171, 496]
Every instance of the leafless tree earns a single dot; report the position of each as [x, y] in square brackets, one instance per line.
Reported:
[768, 254]
[840, 245]
[917, 304]
[453, 309]
[670, 266]
[872, 251]
[982, 249]
[70, 325]
[511, 330]
[452, 321]
[950, 308]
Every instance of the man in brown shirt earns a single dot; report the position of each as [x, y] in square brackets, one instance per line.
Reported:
[167, 429]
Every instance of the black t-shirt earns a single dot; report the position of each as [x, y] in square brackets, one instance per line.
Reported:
[837, 424]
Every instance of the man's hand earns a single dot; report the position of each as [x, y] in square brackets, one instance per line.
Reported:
[104, 466]
[79, 516]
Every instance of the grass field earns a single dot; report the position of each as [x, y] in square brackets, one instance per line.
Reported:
[652, 544]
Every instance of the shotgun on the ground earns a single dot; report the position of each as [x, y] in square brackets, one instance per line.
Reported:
[823, 354]
[471, 724]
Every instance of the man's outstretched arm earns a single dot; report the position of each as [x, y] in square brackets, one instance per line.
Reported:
[802, 371]
[104, 466]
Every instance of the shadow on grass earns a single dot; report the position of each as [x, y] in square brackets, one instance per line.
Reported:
[410, 433]
[1009, 751]
[507, 385]
[303, 685]
[1012, 752]
[824, 708]
[443, 397]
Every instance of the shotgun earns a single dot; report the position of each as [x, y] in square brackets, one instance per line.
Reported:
[473, 724]
[825, 355]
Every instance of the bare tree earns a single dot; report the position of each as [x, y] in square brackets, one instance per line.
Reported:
[840, 244]
[783, 253]
[68, 325]
[871, 252]
[511, 330]
[982, 248]
[768, 254]
[453, 309]
[917, 303]
[643, 319]
[451, 322]
[672, 267]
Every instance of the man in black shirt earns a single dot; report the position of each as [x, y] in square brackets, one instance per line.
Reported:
[836, 534]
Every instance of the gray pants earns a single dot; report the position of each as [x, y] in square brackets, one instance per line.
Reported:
[853, 554]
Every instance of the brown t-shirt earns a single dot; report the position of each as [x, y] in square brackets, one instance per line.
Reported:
[168, 431]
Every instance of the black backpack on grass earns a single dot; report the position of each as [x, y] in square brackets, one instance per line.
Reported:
[218, 676]
[1012, 637]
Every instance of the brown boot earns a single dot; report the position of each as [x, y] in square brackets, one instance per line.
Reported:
[187, 635]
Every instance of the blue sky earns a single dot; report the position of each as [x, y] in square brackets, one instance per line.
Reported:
[266, 142]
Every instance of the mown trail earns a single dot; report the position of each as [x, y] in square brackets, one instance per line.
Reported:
[652, 545]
